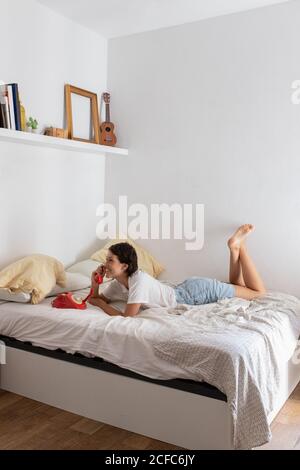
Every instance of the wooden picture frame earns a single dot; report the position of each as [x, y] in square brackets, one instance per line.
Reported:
[69, 90]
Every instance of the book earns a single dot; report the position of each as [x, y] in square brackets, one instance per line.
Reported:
[3, 122]
[2, 119]
[7, 111]
[5, 104]
[11, 107]
[2, 108]
[16, 104]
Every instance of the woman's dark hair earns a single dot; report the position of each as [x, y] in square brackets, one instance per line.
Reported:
[126, 254]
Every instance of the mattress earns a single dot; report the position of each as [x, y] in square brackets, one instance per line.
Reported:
[124, 341]
[235, 345]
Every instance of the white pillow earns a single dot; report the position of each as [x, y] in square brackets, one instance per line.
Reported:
[8, 296]
[74, 281]
[85, 267]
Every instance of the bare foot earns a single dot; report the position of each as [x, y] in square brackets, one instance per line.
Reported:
[239, 236]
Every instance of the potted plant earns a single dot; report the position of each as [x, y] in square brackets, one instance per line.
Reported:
[32, 125]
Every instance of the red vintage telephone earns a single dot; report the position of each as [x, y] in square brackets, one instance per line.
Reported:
[68, 300]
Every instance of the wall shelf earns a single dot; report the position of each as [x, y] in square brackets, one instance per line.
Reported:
[8, 135]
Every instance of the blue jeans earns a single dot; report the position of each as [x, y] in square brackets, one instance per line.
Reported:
[201, 290]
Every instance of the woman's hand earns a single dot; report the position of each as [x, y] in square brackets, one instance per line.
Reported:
[94, 284]
[101, 270]
[93, 301]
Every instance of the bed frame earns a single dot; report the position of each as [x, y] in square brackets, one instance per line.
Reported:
[181, 412]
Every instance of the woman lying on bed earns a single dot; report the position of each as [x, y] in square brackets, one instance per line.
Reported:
[139, 289]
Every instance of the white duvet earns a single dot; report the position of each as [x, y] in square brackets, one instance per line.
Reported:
[235, 345]
[126, 342]
[240, 347]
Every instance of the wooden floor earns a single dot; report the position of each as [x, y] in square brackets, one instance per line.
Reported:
[286, 426]
[27, 424]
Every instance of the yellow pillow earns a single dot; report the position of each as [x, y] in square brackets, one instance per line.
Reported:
[35, 274]
[146, 262]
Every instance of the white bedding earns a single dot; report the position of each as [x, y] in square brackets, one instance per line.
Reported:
[235, 345]
[241, 348]
[126, 342]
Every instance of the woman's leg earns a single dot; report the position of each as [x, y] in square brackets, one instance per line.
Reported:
[234, 244]
[243, 273]
[235, 269]
[251, 276]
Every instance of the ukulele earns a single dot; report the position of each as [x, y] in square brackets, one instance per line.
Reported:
[107, 136]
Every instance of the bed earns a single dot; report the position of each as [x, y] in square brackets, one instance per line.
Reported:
[203, 377]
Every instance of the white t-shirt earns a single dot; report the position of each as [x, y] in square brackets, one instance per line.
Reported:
[143, 289]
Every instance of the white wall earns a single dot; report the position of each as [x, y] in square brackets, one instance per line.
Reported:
[48, 198]
[206, 113]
